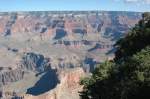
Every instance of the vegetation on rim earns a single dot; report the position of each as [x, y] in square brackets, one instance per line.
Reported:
[128, 76]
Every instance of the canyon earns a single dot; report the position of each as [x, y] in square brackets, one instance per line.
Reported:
[44, 54]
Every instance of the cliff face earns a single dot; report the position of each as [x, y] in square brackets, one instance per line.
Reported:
[66, 89]
[67, 25]
[10, 76]
[51, 83]
[28, 62]
[43, 54]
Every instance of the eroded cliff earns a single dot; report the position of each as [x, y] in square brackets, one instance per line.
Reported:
[44, 54]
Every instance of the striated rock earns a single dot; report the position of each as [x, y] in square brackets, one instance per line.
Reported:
[34, 62]
[68, 87]
[7, 77]
[70, 23]
[43, 53]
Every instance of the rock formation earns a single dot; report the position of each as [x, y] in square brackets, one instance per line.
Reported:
[44, 54]
[68, 87]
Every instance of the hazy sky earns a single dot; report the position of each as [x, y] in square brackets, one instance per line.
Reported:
[44, 5]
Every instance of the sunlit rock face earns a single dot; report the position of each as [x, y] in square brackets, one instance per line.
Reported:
[66, 24]
[44, 54]
[66, 89]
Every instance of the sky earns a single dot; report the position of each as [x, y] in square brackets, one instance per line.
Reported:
[61, 5]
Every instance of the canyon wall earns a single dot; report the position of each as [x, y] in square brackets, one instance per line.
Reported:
[44, 54]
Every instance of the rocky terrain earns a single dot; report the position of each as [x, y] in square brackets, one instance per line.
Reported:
[43, 55]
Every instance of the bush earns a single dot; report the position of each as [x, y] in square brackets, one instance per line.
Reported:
[128, 77]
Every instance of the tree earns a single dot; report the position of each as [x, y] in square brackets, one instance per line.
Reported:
[96, 86]
[137, 39]
[128, 77]
[135, 76]
[128, 80]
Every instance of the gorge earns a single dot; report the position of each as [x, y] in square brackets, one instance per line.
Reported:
[44, 54]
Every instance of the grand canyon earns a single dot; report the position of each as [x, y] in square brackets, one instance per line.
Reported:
[44, 54]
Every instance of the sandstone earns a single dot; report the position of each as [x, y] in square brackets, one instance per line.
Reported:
[43, 54]
[68, 87]
[9, 76]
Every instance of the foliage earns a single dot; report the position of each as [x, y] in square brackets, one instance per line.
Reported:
[97, 81]
[137, 39]
[123, 81]
[128, 77]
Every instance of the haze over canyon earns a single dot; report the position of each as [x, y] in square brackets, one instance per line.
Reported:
[43, 55]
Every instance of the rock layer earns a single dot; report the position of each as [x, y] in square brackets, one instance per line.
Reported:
[43, 53]
[68, 87]
[11, 76]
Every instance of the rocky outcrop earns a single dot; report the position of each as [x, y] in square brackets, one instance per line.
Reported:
[30, 62]
[34, 62]
[78, 44]
[42, 53]
[7, 77]
[68, 24]
[68, 87]
[47, 82]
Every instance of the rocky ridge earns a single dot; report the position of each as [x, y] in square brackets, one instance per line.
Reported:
[44, 54]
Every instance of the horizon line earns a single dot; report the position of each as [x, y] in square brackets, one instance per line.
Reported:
[72, 11]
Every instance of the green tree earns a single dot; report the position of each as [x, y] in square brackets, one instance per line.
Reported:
[137, 39]
[128, 80]
[129, 76]
[96, 86]
[135, 76]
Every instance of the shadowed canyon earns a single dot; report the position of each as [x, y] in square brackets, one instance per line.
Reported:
[43, 55]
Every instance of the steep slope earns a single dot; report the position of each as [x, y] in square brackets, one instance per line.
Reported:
[68, 87]
[43, 54]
